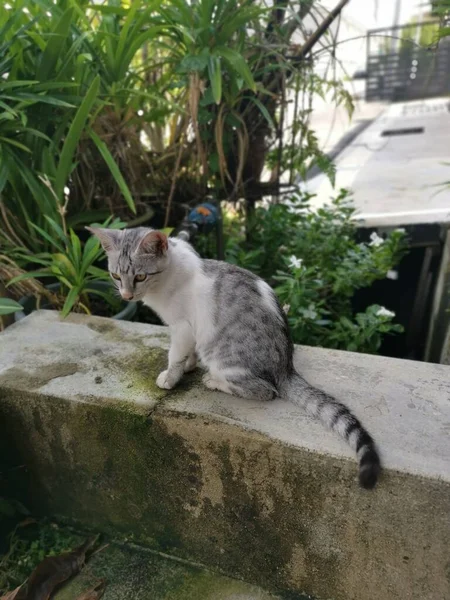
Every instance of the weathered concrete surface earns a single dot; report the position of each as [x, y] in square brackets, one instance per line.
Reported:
[135, 574]
[395, 179]
[257, 491]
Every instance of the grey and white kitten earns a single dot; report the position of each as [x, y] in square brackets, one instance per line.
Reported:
[231, 320]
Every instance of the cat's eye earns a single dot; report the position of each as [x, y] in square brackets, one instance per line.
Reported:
[140, 277]
[115, 276]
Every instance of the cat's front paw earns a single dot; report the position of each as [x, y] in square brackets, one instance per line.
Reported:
[163, 381]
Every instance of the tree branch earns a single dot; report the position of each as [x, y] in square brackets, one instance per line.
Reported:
[315, 37]
[288, 28]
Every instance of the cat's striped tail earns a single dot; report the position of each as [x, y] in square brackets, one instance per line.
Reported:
[337, 417]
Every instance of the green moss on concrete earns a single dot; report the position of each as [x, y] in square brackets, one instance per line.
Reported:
[134, 574]
[113, 332]
[113, 470]
[136, 475]
[141, 369]
[200, 489]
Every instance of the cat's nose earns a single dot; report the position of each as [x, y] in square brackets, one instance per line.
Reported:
[127, 295]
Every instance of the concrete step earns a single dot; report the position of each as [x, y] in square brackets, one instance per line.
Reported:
[255, 490]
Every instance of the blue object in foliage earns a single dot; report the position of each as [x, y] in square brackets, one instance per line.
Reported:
[203, 214]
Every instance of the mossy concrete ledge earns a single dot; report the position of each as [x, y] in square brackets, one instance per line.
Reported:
[254, 490]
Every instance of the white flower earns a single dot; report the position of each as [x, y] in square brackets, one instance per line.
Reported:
[286, 308]
[376, 239]
[309, 313]
[384, 312]
[140, 112]
[295, 262]
[66, 190]
[392, 275]
[401, 230]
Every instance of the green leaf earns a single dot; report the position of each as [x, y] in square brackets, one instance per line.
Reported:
[72, 297]
[75, 249]
[73, 137]
[14, 143]
[97, 273]
[238, 64]
[41, 98]
[263, 109]
[29, 275]
[90, 252]
[193, 63]
[108, 297]
[88, 216]
[114, 169]
[123, 37]
[55, 45]
[215, 77]
[57, 229]
[48, 237]
[8, 306]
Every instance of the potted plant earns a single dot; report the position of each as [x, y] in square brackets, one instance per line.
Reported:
[78, 284]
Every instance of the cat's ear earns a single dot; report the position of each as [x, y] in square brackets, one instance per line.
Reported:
[109, 238]
[154, 243]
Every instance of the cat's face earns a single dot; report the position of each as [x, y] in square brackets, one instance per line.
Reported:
[137, 259]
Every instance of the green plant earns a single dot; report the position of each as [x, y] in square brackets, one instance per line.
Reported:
[441, 9]
[50, 96]
[313, 261]
[29, 543]
[9, 306]
[121, 105]
[72, 265]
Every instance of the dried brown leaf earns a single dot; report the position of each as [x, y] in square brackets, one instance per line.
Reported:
[51, 572]
[27, 521]
[12, 595]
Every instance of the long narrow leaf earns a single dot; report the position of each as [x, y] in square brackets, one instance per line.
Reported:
[72, 297]
[115, 172]
[123, 38]
[14, 143]
[238, 64]
[215, 76]
[75, 249]
[55, 45]
[57, 229]
[108, 297]
[29, 275]
[263, 109]
[52, 241]
[97, 273]
[73, 137]
[90, 252]
[8, 306]
[29, 97]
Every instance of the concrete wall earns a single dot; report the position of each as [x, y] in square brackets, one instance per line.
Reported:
[254, 490]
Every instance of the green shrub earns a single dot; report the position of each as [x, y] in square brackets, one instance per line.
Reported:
[315, 264]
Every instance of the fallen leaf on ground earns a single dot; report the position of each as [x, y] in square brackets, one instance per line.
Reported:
[95, 593]
[12, 595]
[51, 572]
